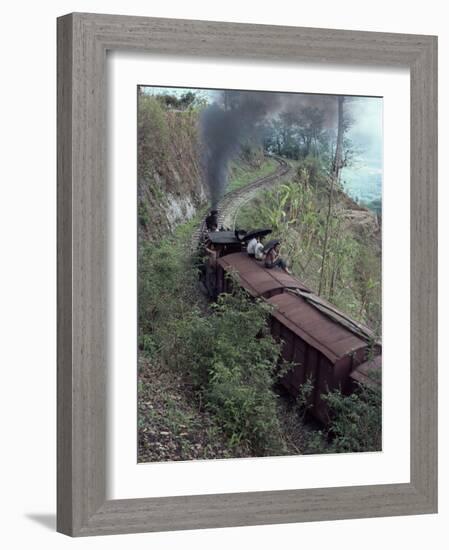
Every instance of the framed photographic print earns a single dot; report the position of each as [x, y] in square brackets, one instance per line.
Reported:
[246, 274]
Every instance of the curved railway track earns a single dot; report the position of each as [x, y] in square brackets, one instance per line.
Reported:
[231, 203]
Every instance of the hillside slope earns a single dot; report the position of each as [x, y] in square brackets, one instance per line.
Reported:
[170, 184]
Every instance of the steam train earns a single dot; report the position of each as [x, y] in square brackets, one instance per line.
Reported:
[325, 345]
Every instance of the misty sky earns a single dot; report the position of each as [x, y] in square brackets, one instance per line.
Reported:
[363, 180]
[366, 130]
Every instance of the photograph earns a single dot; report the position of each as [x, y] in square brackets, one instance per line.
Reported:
[259, 273]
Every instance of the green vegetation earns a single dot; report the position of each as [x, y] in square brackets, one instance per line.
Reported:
[242, 173]
[186, 101]
[168, 163]
[231, 359]
[224, 354]
[355, 421]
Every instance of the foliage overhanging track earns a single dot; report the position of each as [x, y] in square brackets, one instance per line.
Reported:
[230, 204]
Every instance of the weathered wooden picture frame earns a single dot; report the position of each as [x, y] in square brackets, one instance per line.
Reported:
[83, 40]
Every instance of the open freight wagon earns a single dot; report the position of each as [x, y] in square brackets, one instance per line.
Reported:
[327, 347]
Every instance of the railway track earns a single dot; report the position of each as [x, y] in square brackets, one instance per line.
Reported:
[231, 203]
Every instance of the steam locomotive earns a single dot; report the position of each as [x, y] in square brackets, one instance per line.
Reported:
[325, 345]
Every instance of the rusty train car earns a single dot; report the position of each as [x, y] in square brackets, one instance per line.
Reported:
[326, 346]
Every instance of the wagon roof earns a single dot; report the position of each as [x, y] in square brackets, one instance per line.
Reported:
[255, 278]
[318, 329]
[222, 237]
[364, 372]
[314, 327]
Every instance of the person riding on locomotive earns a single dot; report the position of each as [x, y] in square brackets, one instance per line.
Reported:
[212, 221]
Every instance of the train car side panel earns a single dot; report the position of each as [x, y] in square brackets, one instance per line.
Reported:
[341, 371]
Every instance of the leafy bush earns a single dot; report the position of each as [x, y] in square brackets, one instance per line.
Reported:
[356, 420]
[303, 400]
[166, 293]
[311, 171]
[231, 359]
[242, 371]
[225, 351]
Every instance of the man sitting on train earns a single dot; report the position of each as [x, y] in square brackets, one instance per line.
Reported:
[259, 254]
[273, 259]
[254, 248]
[251, 247]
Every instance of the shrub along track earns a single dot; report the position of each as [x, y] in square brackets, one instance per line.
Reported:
[231, 203]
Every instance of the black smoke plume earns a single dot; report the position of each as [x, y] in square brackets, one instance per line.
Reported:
[239, 117]
[225, 125]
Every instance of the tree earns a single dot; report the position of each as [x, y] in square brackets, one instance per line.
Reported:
[311, 129]
[337, 165]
